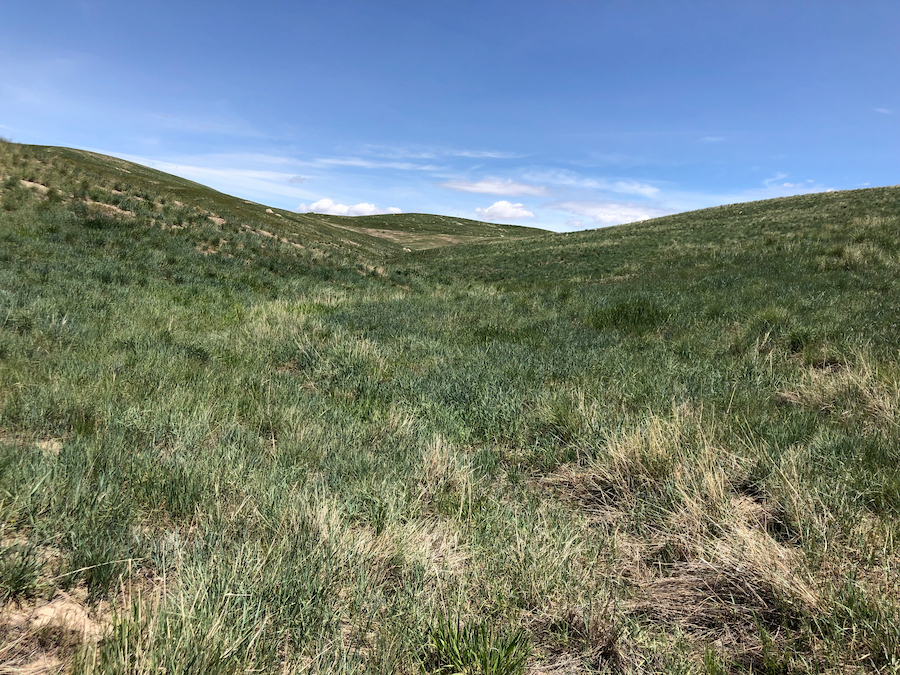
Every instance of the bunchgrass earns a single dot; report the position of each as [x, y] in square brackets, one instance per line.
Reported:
[241, 440]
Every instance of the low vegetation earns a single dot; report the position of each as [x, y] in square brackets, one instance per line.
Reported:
[233, 440]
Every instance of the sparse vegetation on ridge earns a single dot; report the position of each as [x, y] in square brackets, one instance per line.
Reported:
[231, 441]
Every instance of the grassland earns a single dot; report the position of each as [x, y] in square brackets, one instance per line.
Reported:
[234, 441]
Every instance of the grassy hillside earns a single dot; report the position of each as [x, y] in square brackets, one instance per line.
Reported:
[112, 186]
[664, 447]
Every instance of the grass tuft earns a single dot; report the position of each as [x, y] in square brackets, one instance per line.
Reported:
[474, 649]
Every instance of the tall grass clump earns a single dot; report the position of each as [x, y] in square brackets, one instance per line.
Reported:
[479, 649]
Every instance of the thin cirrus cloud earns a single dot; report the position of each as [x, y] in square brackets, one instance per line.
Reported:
[496, 186]
[573, 180]
[483, 154]
[329, 207]
[359, 162]
[609, 212]
[883, 111]
[777, 186]
[434, 152]
[504, 210]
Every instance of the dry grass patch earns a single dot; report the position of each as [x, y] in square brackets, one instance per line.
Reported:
[42, 636]
[696, 552]
[860, 393]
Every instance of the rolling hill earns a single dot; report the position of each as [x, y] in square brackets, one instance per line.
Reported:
[233, 439]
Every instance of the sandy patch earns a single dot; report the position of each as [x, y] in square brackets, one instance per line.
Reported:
[108, 209]
[36, 186]
[209, 249]
[272, 235]
[51, 446]
[40, 637]
[66, 610]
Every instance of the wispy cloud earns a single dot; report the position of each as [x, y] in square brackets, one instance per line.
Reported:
[630, 187]
[769, 182]
[609, 212]
[255, 183]
[496, 186]
[713, 139]
[573, 180]
[483, 154]
[777, 186]
[328, 207]
[434, 152]
[205, 124]
[503, 210]
[362, 163]
[883, 111]
[296, 180]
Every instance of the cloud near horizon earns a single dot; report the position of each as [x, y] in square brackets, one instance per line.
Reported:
[496, 186]
[328, 207]
[503, 210]
[609, 213]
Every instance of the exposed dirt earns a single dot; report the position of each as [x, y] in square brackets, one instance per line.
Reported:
[39, 637]
[36, 186]
[108, 209]
[49, 445]
[271, 235]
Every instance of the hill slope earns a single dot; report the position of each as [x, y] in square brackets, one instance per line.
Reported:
[668, 446]
[110, 185]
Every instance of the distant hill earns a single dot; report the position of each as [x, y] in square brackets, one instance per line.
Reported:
[107, 183]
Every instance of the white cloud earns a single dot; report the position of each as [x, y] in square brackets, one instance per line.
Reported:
[433, 152]
[774, 180]
[573, 180]
[211, 170]
[496, 186]
[369, 164]
[608, 212]
[503, 210]
[483, 154]
[713, 139]
[776, 186]
[328, 207]
[883, 111]
[630, 187]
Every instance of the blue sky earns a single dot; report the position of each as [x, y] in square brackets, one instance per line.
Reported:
[562, 115]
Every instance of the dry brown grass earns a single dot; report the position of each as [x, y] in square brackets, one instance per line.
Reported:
[858, 393]
[41, 636]
[696, 552]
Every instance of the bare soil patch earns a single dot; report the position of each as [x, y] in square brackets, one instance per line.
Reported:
[108, 209]
[41, 636]
[36, 186]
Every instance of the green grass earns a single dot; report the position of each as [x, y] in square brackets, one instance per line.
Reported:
[668, 447]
